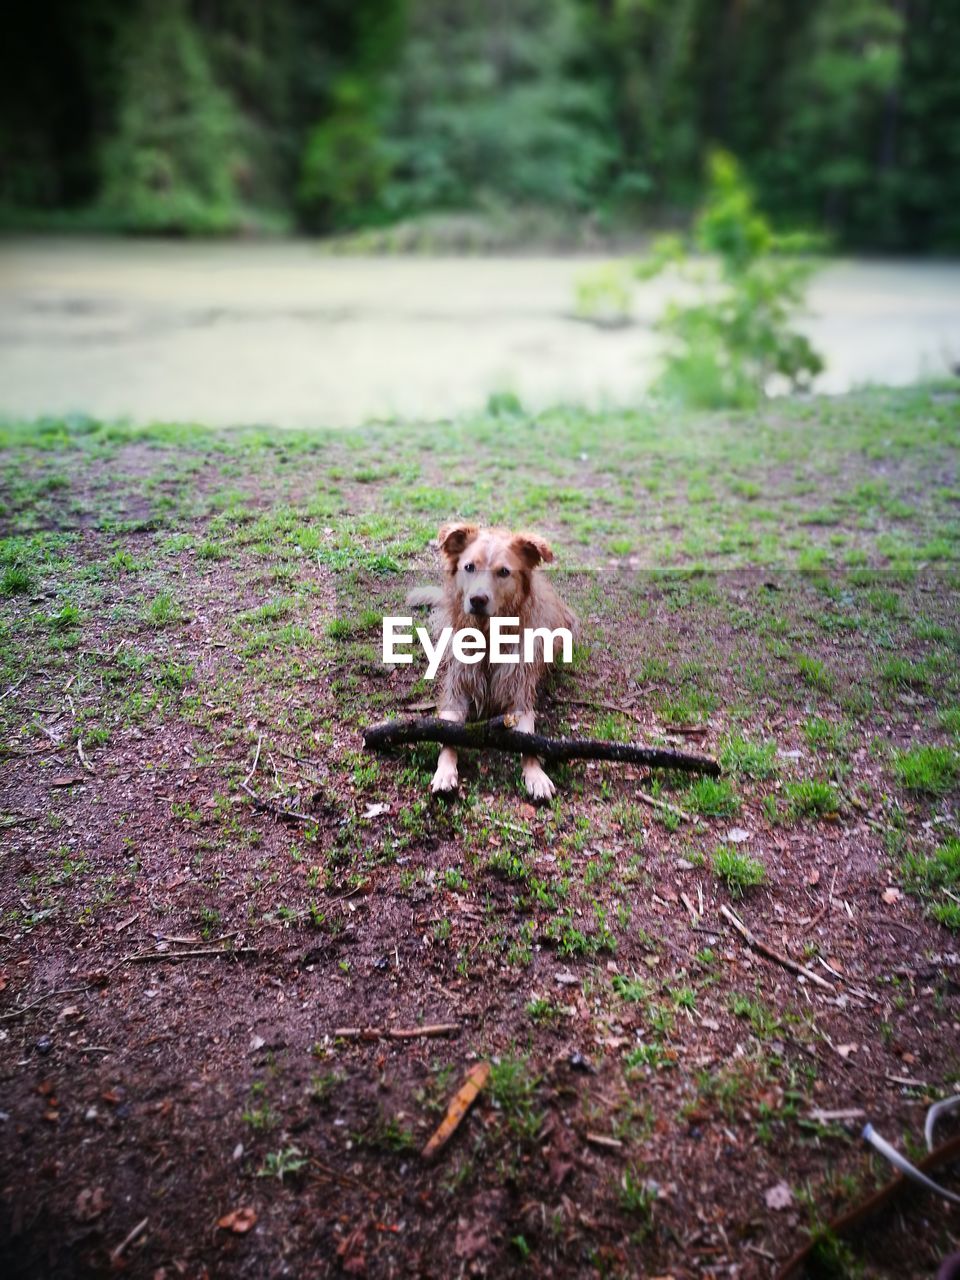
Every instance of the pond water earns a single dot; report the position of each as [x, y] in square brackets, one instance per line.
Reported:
[283, 333]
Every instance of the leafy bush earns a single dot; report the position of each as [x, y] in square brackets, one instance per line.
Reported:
[345, 165]
[169, 164]
[735, 344]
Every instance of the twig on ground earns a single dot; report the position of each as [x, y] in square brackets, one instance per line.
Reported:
[60, 991]
[143, 956]
[397, 1033]
[656, 803]
[601, 1140]
[694, 914]
[128, 1240]
[82, 757]
[754, 942]
[13, 689]
[256, 761]
[895, 924]
[274, 809]
[499, 734]
[596, 705]
[460, 1104]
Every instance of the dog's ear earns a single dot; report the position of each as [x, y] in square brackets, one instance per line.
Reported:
[532, 549]
[452, 538]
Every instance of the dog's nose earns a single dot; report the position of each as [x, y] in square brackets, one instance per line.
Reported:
[478, 604]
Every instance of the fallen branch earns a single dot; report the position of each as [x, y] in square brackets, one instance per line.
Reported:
[500, 735]
[769, 952]
[128, 1240]
[143, 956]
[460, 1104]
[81, 756]
[846, 1223]
[397, 1033]
[655, 803]
[266, 807]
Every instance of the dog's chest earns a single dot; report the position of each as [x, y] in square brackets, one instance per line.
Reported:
[492, 688]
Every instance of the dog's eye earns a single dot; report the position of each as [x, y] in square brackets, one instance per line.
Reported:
[503, 572]
[469, 568]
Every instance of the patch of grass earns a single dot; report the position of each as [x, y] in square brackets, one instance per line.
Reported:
[67, 618]
[16, 580]
[513, 1090]
[162, 610]
[824, 735]
[904, 674]
[752, 759]
[928, 771]
[712, 798]
[947, 914]
[738, 871]
[763, 1021]
[813, 672]
[810, 798]
[940, 870]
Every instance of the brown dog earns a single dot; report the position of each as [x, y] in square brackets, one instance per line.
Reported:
[492, 573]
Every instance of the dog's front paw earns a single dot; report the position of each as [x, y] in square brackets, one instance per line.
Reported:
[539, 786]
[445, 779]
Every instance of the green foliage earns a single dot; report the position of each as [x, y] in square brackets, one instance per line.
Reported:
[941, 870]
[16, 580]
[169, 163]
[345, 164]
[738, 871]
[203, 118]
[927, 770]
[810, 798]
[712, 797]
[735, 344]
[753, 759]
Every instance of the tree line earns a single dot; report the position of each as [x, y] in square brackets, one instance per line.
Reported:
[193, 116]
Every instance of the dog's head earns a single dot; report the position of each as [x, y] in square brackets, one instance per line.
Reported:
[489, 570]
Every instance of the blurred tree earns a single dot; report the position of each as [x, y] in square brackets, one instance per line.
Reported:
[193, 115]
[490, 104]
[170, 163]
[846, 67]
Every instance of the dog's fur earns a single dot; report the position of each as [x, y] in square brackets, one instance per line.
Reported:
[492, 573]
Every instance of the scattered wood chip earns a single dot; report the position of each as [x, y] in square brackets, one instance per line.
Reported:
[239, 1221]
[778, 1197]
[460, 1104]
[128, 1240]
[834, 1117]
[602, 1140]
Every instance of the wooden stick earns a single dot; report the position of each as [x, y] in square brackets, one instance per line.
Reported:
[460, 1104]
[397, 1033]
[655, 803]
[144, 956]
[499, 734]
[769, 952]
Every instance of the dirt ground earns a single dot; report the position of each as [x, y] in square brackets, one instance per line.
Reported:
[219, 913]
